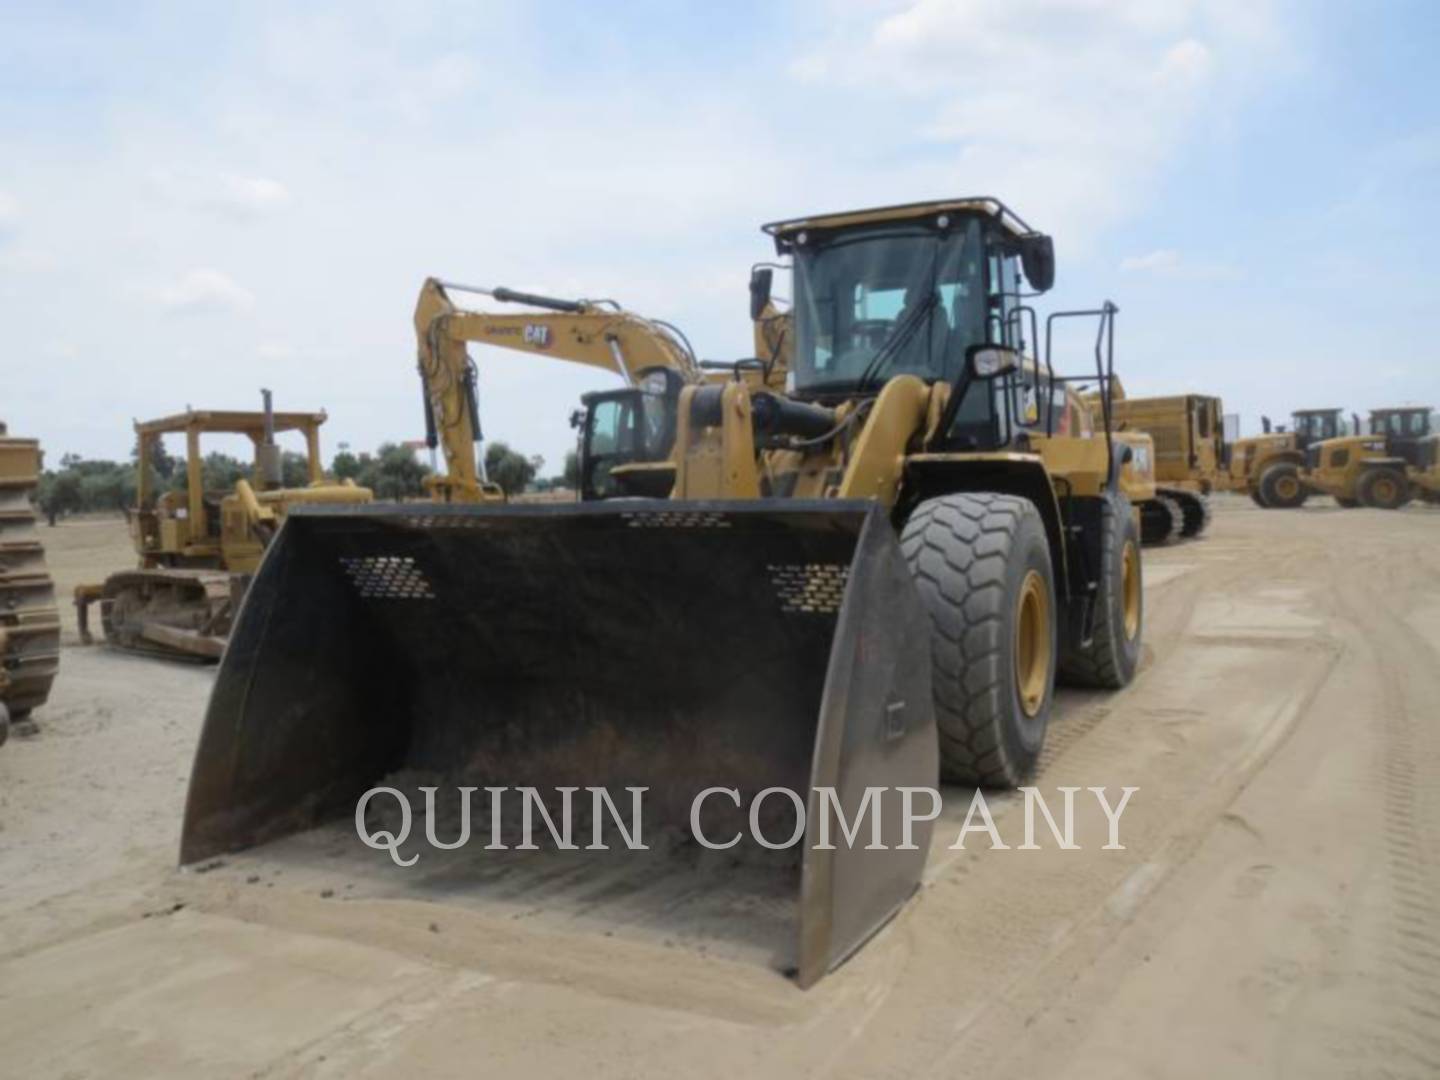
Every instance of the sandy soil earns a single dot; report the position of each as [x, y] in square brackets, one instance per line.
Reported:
[1275, 912]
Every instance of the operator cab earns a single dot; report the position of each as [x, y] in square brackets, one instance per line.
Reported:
[1315, 425]
[1403, 429]
[920, 290]
[626, 436]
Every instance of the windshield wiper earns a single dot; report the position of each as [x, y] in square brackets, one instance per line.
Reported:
[891, 346]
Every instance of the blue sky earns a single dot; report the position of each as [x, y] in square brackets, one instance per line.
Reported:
[196, 202]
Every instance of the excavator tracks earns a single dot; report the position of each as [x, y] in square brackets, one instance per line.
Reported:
[29, 619]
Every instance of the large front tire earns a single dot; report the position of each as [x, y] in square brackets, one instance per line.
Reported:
[1383, 489]
[981, 563]
[1281, 487]
[1109, 659]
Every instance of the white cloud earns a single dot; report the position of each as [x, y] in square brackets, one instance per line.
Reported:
[250, 194]
[1169, 263]
[231, 195]
[1071, 108]
[202, 290]
[1163, 261]
[9, 214]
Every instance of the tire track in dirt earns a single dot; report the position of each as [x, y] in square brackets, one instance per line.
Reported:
[1409, 776]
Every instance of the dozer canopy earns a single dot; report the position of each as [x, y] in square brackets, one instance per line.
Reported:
[674, 646]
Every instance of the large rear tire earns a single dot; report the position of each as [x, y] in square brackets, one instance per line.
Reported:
[981, 563]
[1383, 489]
[1112, 654]
[4, 723]
[1281, 487]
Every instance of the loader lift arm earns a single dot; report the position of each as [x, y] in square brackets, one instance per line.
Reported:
[599, 334]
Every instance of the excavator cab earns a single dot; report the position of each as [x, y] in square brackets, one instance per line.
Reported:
[626, 437]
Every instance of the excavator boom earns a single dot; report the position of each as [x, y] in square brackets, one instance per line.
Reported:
[597, 334]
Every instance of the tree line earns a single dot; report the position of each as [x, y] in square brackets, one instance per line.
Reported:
[393, 472]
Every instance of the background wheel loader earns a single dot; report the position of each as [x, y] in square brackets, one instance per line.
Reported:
[1190, 457]
[1374, 470]
[198, 548]
[1268, 467]
[1425, 474]
[862, 585]
[29, 620]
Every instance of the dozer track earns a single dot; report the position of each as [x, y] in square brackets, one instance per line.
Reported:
[29, 619]
[1194, 508]
[179, 614]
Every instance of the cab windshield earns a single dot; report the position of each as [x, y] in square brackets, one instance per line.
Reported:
[888, 301]
[1400, 423]
[1314, 425]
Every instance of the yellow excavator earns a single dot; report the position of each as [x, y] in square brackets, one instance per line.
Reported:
[845, 591]
[198, 549]
[623, 427]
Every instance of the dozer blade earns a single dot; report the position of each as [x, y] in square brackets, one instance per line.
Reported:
[673, 646]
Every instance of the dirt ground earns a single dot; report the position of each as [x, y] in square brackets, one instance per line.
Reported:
[1275, 911]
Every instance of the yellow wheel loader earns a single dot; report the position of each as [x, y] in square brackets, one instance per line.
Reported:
[848, 591]
[29, 619]
[1268, 467]
[1374, 470]
[1425, 473]
[1190, 456]
[198, 549]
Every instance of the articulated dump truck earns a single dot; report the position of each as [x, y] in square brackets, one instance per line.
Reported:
[29, 619]
[867, 584]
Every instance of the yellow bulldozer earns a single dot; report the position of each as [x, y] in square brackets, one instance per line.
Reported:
[1190, 458]
[860, 585]
[29, 619]
[198, 549]
[1384, 469]
[1268, 467]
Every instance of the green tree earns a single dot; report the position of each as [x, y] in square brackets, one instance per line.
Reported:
[59, 494]
[393, 473]
[513, 471]
[294, 469]
[345, 466]
[571, 477]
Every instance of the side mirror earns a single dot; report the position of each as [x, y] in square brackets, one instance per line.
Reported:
[1265, 423]
[577, 419]
[761, 278]
[1037, 259]
[991, 361]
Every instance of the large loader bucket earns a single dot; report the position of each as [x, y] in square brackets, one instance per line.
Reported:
[672, 646]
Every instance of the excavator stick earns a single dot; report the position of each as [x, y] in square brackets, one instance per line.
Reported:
[674, 646]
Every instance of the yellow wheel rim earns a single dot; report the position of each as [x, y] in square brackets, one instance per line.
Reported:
[1032, 643]
[1130, 591]
[1384, 489]
[1287, 486]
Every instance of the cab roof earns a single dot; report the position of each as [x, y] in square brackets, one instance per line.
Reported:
[986, 205]
[227, 421]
